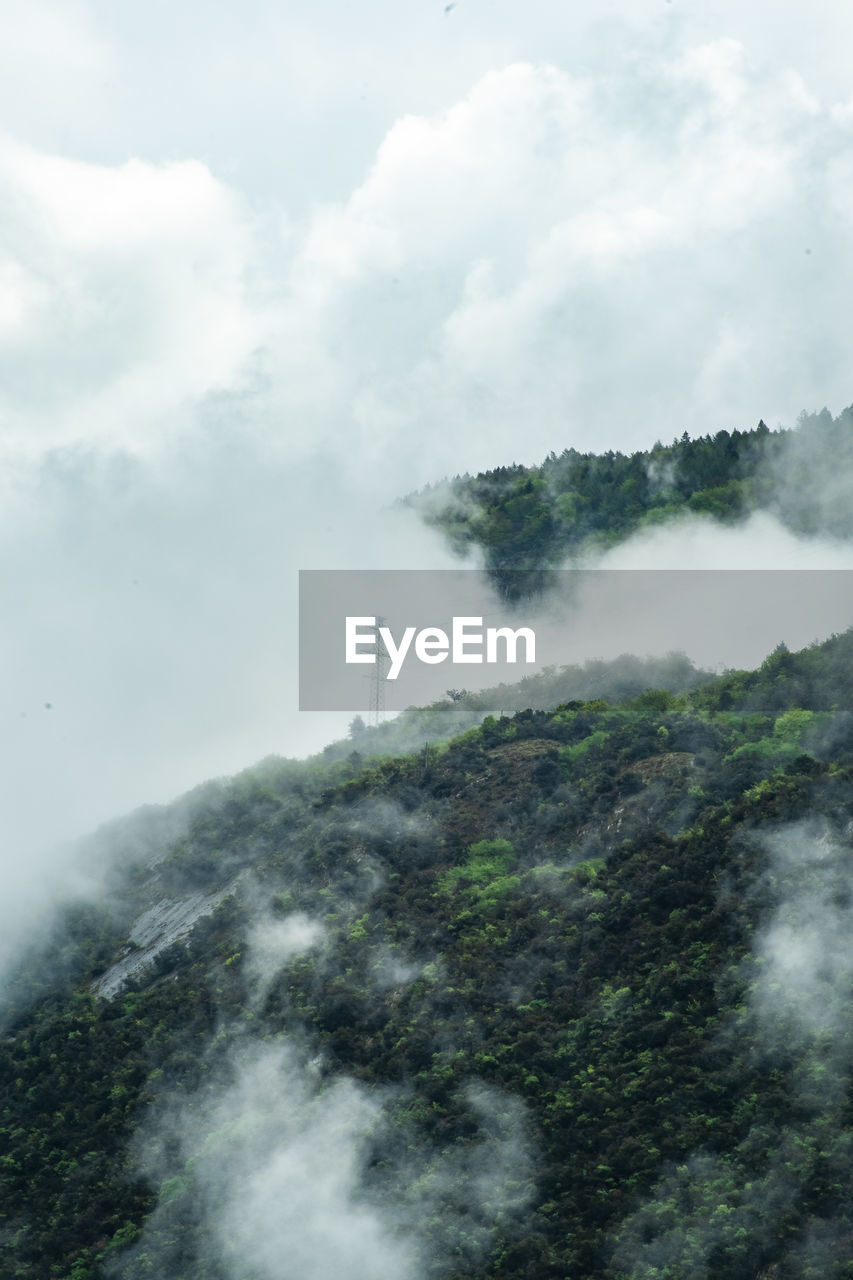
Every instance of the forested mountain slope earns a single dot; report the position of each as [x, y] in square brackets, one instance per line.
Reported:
[568, 996]
[535, 518]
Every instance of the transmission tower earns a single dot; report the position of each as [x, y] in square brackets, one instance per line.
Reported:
[379, 676]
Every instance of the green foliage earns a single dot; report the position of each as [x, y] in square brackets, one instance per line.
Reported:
[488, 861]
[794, 725]
[587, 871]
[594, 956]
[572, 754]
[527, 520]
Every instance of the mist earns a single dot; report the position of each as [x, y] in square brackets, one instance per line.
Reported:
[332, 258]
[795, 1007]
[804, 967]
[272, 1170]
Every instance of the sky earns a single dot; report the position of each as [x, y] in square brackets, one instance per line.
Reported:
[263, 270]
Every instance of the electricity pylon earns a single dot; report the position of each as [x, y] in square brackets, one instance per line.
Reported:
[379, 676]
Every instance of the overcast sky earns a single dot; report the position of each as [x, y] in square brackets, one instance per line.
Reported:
[265, 267]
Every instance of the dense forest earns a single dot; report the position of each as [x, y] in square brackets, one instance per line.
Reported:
[533, 519]
[564, 996]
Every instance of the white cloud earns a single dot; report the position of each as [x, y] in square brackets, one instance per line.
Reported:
[693, 542]
[277, 1173]
[54, 37]
[539, 253]
[272, 1163]
[804, 962]
[540, 264]
[355, 252]
[272, 943]
[126, 297]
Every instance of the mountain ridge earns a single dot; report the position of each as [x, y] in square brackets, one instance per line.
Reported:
[529, 968]
[526, 520]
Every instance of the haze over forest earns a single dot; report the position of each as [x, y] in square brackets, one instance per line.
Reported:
[506, 287]
[267, 273]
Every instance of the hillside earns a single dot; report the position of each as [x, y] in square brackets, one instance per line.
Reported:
[567, 996]
[539, 518]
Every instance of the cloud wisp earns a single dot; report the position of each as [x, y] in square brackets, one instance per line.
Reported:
[211, 381]
[796, 1015]
[273, 1162]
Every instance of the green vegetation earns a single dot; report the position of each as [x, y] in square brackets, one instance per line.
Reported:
[529, 520]
[577, 907]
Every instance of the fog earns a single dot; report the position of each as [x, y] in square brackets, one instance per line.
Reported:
[266, 1168]
[796, 1004]
[261, 277]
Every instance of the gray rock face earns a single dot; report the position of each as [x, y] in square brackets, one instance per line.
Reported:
[157, 928]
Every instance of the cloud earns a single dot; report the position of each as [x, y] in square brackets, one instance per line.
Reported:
[694, 542]
[712, 1210]
[51, 55]
[805, 968]
[272, 1161]
[126, 298]
[154, 605]
[543, 263]
[538, 252]
[277, 1166]
[272, 943]
[262, 274]
[235, 326]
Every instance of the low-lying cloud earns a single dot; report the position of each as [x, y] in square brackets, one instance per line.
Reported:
[795, 1011]
[215, 374]
[805, 964]
[268, 1169]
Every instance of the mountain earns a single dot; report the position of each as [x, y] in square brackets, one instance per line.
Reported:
[527, 520]
[564, 995]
